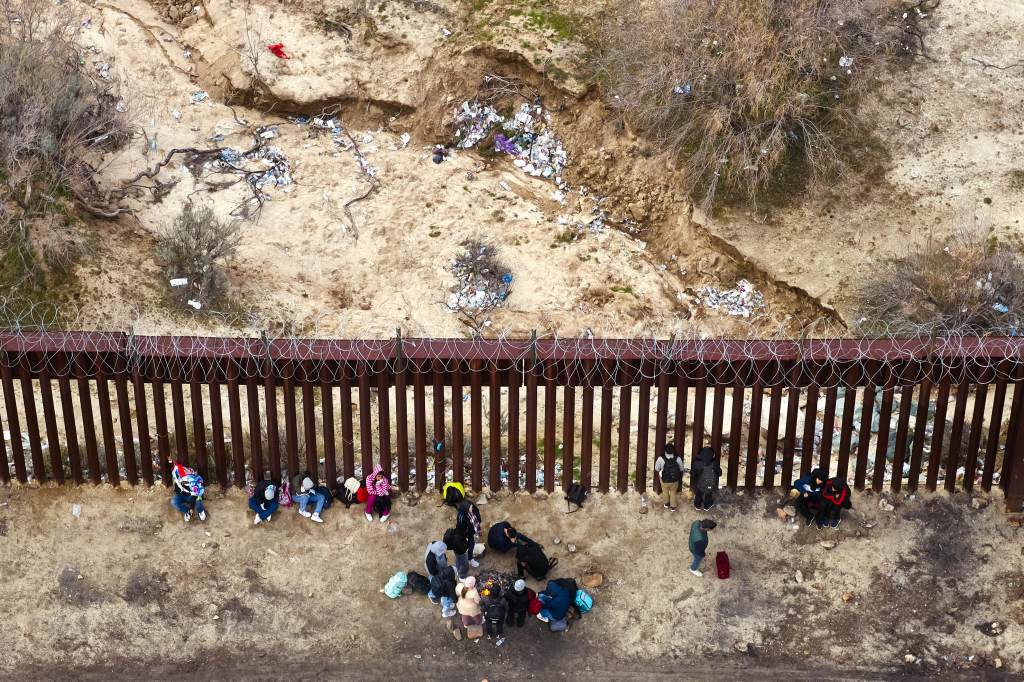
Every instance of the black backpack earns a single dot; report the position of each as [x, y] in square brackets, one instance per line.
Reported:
[672, 471]
[325, 491]
[568, 584]
[708, 480]
[418, 582]
[537, 563]
[577, 494]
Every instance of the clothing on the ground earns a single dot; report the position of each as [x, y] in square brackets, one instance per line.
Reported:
[670, 492]
[264, 508]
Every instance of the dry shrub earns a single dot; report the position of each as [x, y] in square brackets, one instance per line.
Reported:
[969, 284]
[750, 94]
[196, 247]
[55, 119]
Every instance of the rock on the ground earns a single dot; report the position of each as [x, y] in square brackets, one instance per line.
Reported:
[593, 580]
[828, 544]
[847, 597]
[799, 576]
[885, 505]
[978, 503]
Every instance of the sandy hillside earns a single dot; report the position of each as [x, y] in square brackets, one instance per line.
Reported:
[318, 257]
[127, 581]
[954, 125]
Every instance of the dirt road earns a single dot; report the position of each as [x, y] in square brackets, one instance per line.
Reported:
[126, 590]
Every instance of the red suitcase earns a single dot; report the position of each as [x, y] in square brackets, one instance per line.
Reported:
[722, 564]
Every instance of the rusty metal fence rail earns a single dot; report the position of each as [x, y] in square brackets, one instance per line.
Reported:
[895, 413]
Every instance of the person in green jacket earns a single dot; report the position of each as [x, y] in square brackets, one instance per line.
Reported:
[699, 543]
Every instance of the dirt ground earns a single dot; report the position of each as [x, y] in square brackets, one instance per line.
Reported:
[126, 586]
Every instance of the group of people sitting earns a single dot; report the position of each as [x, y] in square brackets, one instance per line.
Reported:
[821, 499]
[266, 497]
[493, 600]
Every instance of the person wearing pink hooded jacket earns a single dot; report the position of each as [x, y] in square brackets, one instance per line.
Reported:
[378, 494]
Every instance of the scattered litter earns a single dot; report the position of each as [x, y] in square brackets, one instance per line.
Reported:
[269, 133]
[799, 576]
[103, 70]
[527, 136]
[196, 305]
[483, 281]
[440, 154]
[200, 96]
[682, 89]
[121, 105]
[1000, 308]
[742, 301]
[76, 511]
[445, 32]
[179, 281]
[406, 138]
[505, 186]
[277, 49]
[176, 114]
[845, 61]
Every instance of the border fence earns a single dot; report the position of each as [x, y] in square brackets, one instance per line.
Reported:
[894, 413]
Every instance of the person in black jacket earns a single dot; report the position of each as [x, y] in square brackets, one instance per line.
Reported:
[495, 610]
[704, 479]
[263, 501]
[518, 599]
[457, 542]
[502, 537]
[835, 497]
[443, 586]
[467, 523]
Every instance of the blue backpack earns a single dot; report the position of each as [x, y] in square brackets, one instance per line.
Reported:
[584, 602]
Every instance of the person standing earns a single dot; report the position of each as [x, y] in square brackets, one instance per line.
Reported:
[518, 599]
[456, 541]
[303, 494]
[263, 501]
[468, 604]
[378, 487]
[435, 561]
[188, 490]
[495, 610]
[699, 543]
[467, 523]
[670, 467]
[704, 479]
[443, 587]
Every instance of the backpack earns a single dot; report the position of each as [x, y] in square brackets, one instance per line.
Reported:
[722, 565]
[284, 495]
[328, 498]
[672, 471]
[584, 602]
[535, 604]
[567, 584]
[537, 563]
[395, 585]
[453, 493]
[577, 494]
[708, 480]
[418, 582]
